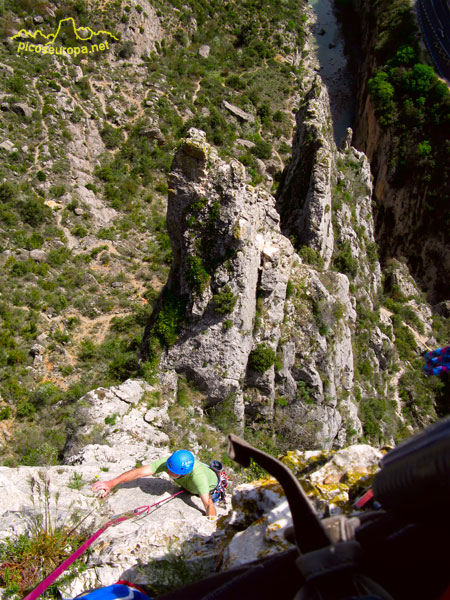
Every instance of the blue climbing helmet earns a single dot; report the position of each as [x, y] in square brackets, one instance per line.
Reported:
[181, 462]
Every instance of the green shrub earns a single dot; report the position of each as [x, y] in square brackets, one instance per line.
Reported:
[236, 82]
[57, 191]
[419, 394]
[111, 136]
[311, 257]
[46, 394]
[33, 211]
[76, 482]
[196, 274]
[79, 231]
[261, 358]
[371, 413]
[382, 92]
[345, 262]
[169, 318]
[404, 338]
[16, 84]
[222, 415]
[5, 413]
[111, 419]
[88, 350]
[77, 115]
[25, 409]
[224, 301]
[84, 89]
[262, 149]
[58, 257]
[290, 289]
[7, 192]
[29, 557]
[35, 241]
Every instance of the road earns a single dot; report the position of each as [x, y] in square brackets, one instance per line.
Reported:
[434, 18]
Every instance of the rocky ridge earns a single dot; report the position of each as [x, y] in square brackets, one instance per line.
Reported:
[248, 296]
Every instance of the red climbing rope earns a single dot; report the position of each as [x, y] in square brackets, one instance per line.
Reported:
[137, 513]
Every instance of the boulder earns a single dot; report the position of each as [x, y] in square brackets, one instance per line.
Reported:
[36, 350]
[153, 133]
[116, 417]
[238, 112]
[203, 51]
[38, 255]
[8, 146]
[22, 109]
[7, 68]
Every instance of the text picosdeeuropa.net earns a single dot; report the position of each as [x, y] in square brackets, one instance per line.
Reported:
[61, 50]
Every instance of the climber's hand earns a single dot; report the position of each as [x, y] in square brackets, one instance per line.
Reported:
[102, 488]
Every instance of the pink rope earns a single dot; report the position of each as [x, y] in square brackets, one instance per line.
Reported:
[141, 511]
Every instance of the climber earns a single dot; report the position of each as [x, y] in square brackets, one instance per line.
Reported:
[187, 472]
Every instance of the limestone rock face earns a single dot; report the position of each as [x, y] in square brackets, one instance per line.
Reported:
[296, 341]
[116, 428]
[229, 261]
[148, 550]
[22, 109]
[143, 28]
[125, 551]
[261, 514]
[263, 329]
[238, 112]
[318, 367]
[304, 201]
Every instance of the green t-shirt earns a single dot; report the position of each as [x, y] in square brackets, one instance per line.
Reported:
[201, 480]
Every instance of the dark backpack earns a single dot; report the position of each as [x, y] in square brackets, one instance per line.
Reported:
[218, 493]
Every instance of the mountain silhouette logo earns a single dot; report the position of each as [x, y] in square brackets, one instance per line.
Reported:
[83, 34]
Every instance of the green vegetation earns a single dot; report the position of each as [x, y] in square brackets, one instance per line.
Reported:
[197, 274]
[173, 571]
[414, 103]
[111, 137]
[261, 358]
[43, 208]
[418, 394]
[224, 301]
[344, 261]
[28, 558]
[311, 257]
[169, 318]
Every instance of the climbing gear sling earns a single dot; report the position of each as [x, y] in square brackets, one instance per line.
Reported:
[218, 493]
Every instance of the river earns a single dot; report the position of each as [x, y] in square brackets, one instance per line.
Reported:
[335, 66]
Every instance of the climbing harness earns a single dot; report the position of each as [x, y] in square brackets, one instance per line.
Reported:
[135, 514]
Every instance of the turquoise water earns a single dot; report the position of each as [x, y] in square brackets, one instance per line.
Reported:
[335, 69]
